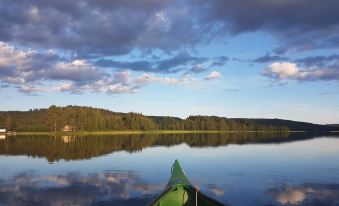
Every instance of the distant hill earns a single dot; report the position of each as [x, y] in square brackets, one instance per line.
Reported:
[294, 125]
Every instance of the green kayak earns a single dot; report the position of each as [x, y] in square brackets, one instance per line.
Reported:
[180, 192]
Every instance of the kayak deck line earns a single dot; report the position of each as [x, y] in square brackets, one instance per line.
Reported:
[180, 192]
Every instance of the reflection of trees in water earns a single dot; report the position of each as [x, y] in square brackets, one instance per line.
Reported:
[83, 147]
[112, 188]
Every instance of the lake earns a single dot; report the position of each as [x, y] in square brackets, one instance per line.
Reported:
[234, 168]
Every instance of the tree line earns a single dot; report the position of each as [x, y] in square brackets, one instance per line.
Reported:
[92, 119]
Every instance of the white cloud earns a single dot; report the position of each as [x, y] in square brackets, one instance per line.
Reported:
[283, 70]
[10, 56]
[22, 66]
[125, 82]
[32, 89]
[34, 72]
[153, 78]
[15, 80]
[115, 83]
[291, 71]
[76, 70]
[213, 75]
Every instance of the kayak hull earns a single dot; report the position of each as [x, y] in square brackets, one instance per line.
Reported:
[180, 192]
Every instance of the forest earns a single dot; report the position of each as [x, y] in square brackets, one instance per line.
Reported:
[82, 118]
[295, 125]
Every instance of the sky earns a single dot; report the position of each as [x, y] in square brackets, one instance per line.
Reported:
[231, 58]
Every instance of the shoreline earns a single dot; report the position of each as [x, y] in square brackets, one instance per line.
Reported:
[129, 132]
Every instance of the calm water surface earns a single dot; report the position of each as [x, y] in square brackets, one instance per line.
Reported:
[236, 169]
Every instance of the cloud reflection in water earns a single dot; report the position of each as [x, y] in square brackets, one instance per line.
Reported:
[306, 194]
[113, 188]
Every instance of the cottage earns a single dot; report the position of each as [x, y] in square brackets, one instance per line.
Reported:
[68, 128]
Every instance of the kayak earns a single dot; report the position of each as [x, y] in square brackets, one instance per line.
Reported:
[180, 192]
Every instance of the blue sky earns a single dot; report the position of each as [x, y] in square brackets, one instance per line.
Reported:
[264, 58]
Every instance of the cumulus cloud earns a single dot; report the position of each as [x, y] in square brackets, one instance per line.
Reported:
[283, 70]
[30, 70]
[33, 72]
[76, 70]
[13, 61]
[213, 75]
[31, 89]
[291, 71]
[24, 67]
[96, 28]
[102, 86]
[125, 82]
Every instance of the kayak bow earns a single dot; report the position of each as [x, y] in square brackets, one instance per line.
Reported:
[180, 192]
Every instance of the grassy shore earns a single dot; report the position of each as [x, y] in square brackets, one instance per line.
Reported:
[127, 132]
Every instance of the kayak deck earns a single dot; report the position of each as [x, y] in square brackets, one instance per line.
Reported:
[178, 177]
[180, 192]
